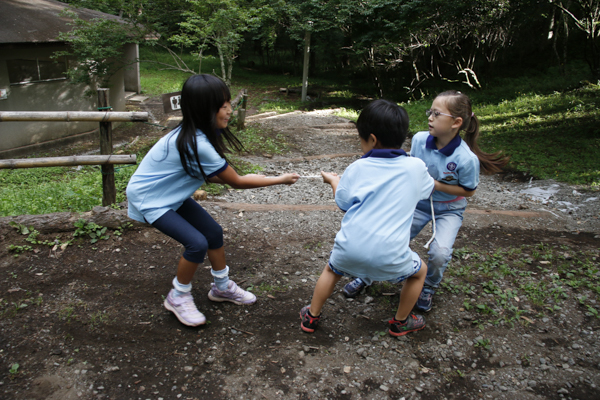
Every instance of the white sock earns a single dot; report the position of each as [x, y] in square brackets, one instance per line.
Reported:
[180, 289]
[221, 278]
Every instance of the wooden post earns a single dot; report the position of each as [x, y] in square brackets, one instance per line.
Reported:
[242, 110]
[305, 67]
[109, 191]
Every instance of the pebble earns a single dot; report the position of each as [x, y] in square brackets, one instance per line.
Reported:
[384, 388]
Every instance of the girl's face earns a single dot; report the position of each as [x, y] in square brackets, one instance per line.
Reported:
[223, 115]
[443, 124]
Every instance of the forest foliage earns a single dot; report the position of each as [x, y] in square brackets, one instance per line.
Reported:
[387, 46]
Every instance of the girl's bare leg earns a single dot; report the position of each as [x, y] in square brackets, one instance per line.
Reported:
[186, 269]
[410, 293]
[324, 289]
[217, 258]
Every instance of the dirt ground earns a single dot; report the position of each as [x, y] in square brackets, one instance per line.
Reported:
[86, 321]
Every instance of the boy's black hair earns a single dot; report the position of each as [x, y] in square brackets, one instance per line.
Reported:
[386, 120]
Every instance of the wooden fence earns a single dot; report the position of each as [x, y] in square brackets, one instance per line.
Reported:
[106, 159]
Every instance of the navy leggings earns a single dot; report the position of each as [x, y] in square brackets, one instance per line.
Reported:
[194, 228]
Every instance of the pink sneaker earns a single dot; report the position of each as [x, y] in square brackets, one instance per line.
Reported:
[234, 294]
[184, 309]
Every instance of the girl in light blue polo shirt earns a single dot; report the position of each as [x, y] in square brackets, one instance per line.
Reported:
[454, 163]
[160, 191]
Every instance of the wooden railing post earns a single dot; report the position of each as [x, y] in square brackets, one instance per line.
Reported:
[109, 191]
[242, 110]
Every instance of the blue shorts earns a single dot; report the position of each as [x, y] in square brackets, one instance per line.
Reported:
[416, 267]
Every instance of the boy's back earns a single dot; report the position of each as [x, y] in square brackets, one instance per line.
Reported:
[379, 193]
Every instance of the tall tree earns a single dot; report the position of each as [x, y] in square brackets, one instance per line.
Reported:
[220, 23]
[585, 15]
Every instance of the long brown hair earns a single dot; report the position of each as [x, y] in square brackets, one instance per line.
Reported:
[459, 105]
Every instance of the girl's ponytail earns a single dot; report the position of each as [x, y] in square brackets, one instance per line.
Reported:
[459, 105]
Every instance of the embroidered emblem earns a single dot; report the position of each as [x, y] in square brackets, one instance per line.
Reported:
[449, 178]
[451, 166]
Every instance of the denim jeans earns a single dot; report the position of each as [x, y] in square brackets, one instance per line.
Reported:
[448, 220]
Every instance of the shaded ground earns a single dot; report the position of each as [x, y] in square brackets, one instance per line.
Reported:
[515, 318]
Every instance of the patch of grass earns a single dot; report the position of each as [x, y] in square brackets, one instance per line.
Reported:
[551, 135]
[98, 318]
[256, 140]
[67, 313]
[157, 78]
[280, 106]
[350, 114]
[62, 189]
[508, 290]
[265, 288]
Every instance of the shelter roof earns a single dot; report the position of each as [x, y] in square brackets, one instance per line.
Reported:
[38, 21]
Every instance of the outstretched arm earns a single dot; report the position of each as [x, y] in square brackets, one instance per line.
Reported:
[454, 190]
[230, 177]
[332, 178]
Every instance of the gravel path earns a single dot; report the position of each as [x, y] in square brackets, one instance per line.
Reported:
[320, 132]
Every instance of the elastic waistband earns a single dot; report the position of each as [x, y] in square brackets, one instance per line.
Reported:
[452, 201]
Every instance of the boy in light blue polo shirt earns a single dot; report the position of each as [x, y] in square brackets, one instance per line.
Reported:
[379, 194]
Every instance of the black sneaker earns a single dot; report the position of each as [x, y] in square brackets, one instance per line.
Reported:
[309, 323]
[353, 288]
[425, 301]
[413, 323]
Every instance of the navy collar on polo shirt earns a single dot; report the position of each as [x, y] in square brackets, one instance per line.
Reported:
[448, 149]
[384, 153]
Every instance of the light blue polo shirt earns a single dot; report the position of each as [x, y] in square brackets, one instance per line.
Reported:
[161, 184]
[455, 164]
[379, 193]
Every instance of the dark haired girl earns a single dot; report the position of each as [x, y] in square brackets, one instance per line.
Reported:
[176, 166]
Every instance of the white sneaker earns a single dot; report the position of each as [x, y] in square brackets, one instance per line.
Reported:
[234, 294]
[184, 309]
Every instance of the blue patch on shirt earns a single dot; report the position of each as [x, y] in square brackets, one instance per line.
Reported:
[451, 166]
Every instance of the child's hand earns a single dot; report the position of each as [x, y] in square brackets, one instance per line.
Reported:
[289, 179]
[330, 177]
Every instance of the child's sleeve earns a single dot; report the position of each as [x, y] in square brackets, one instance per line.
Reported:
[468, 174]
[428, 182]
[212, 163]
[343, 194]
